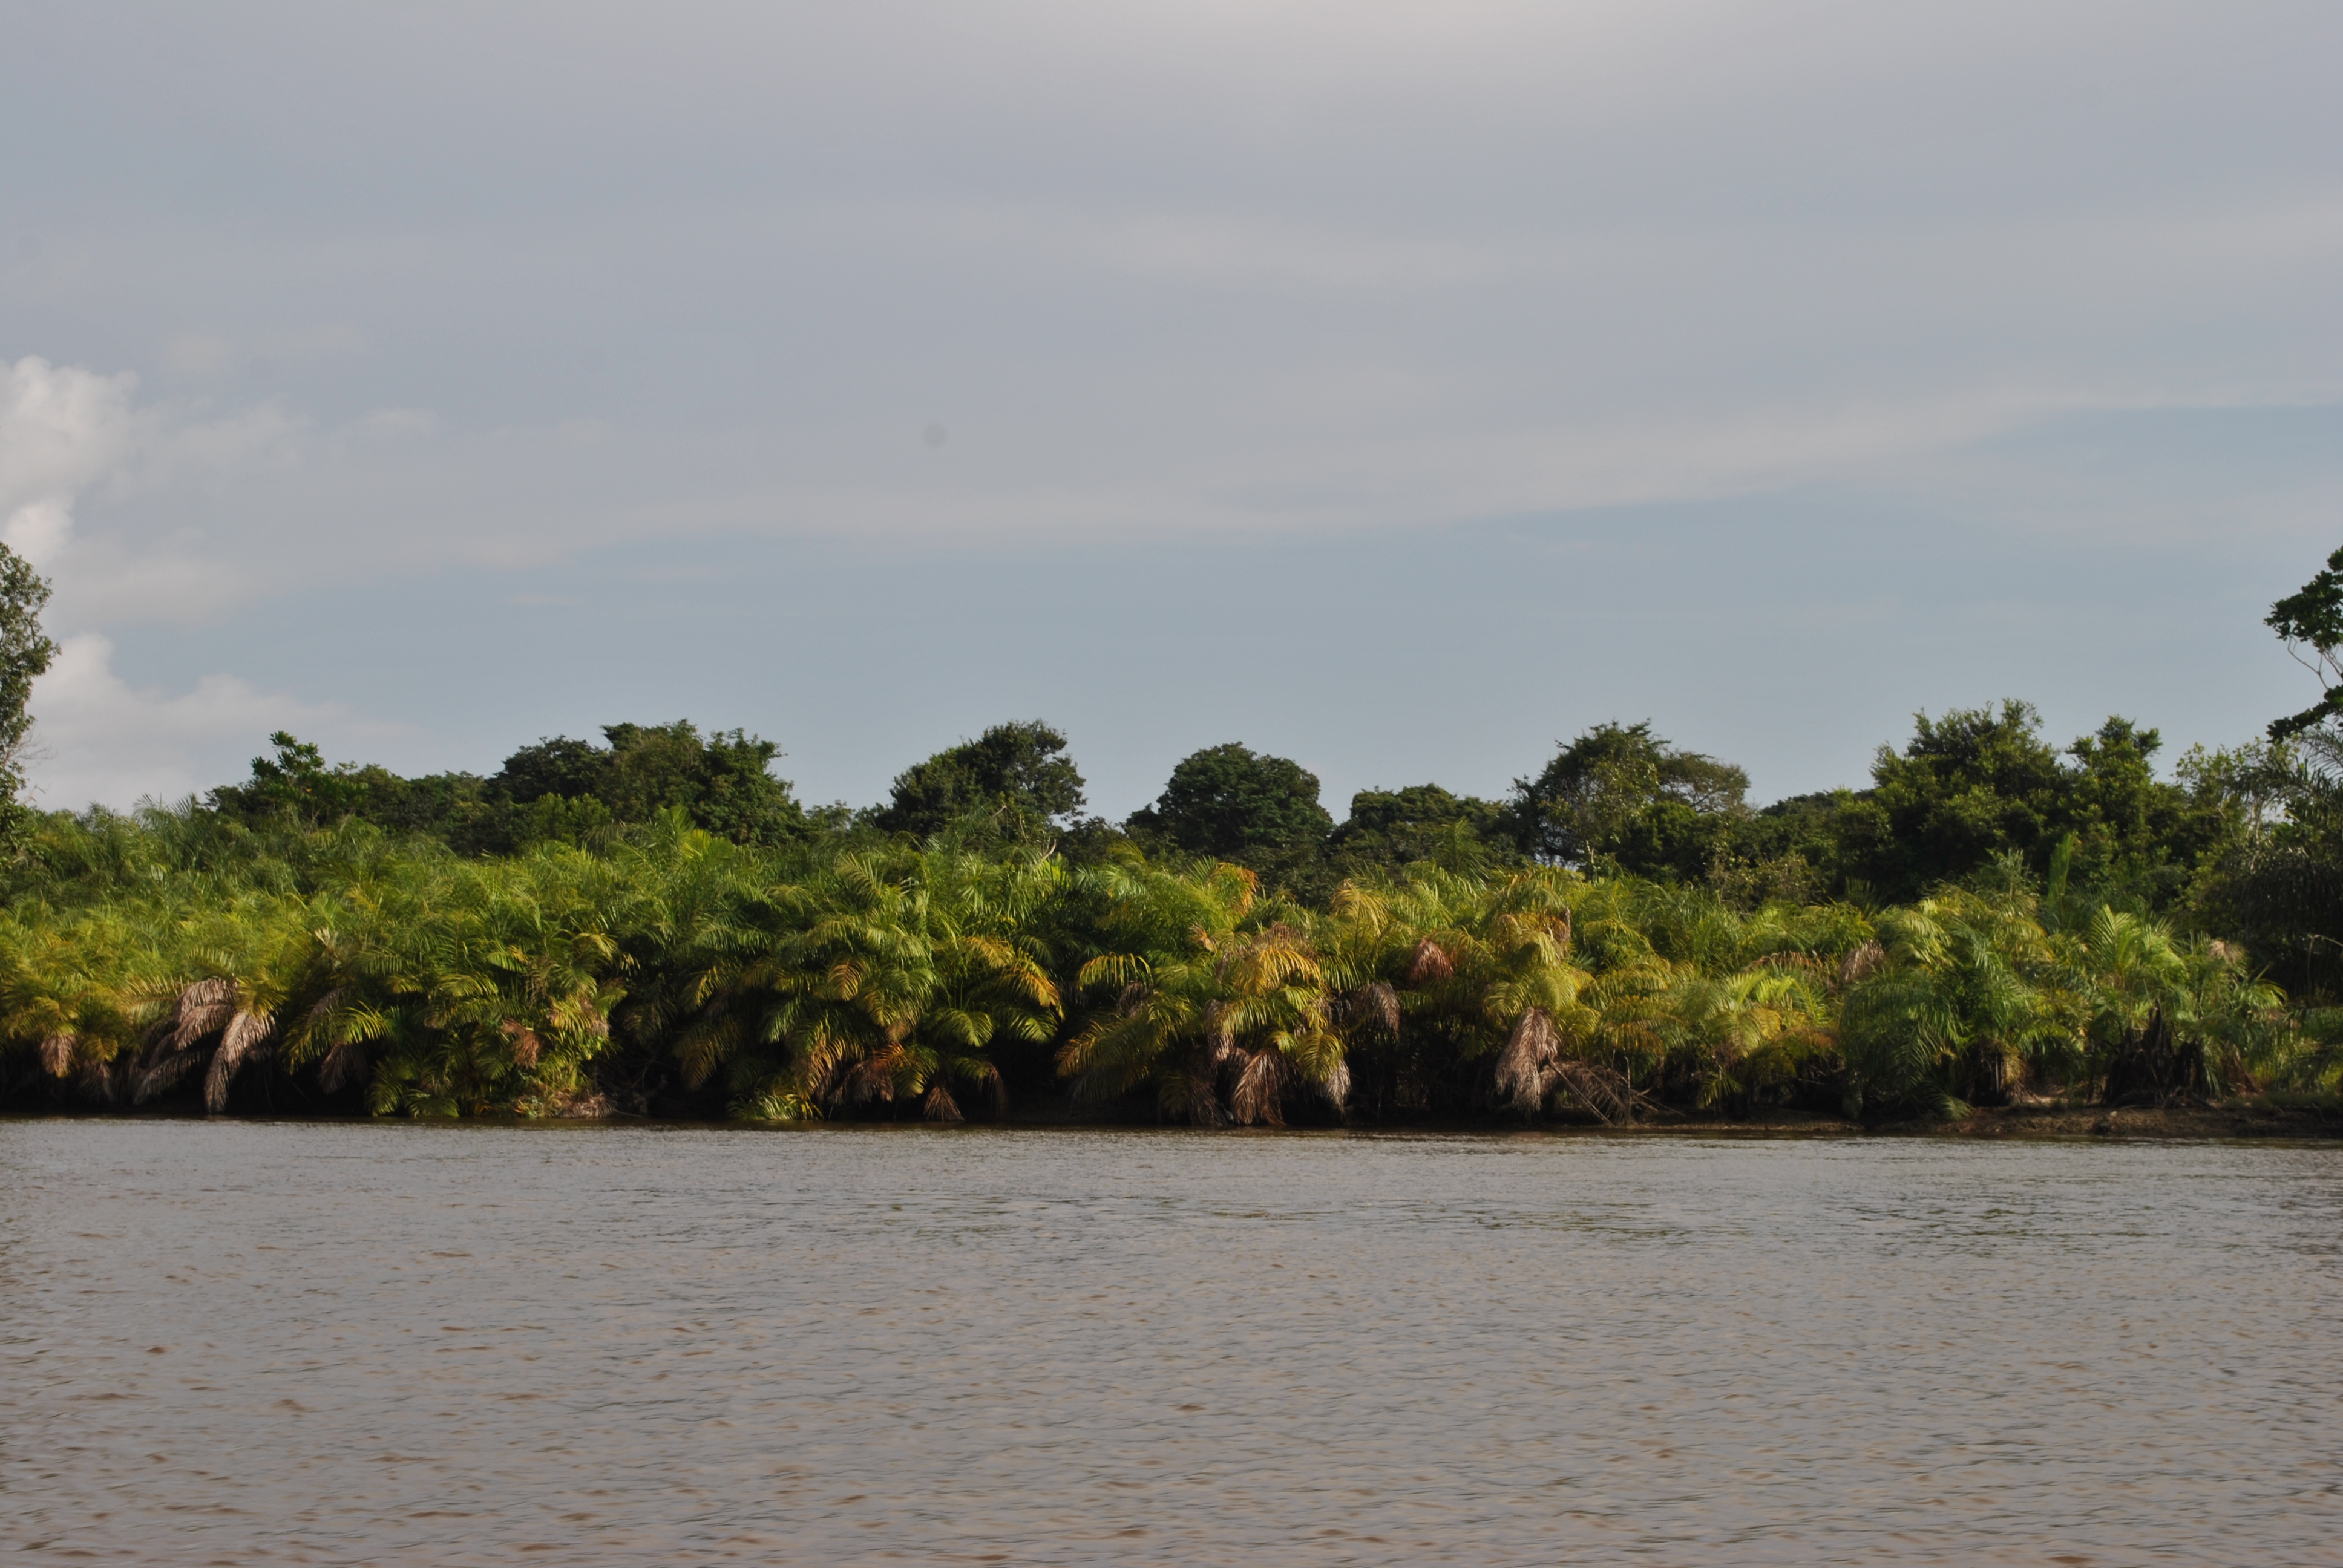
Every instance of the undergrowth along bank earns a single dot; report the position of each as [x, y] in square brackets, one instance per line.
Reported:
[174, 956]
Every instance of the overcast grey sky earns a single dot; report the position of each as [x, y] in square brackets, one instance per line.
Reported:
[1398, 387]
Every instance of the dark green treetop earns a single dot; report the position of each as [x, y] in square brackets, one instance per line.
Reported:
[1620, 795]
[559, 766]
[1977, 785]
[296, 782]
[1245, 807]
[723, 783]
[2311, 618]
[557, 788]
[26, 651]
[1391, 829]
[1965, 787]
[2280, 885]
[1017, 769]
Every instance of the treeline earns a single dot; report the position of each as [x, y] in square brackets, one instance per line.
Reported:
[175, 955]
[654, 924]
[2240, 842]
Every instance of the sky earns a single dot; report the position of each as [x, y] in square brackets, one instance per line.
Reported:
[1402, 388]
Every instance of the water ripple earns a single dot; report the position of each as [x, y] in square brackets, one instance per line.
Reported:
[323, 1344]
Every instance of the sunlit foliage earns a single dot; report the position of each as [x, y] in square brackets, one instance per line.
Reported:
[182, 955]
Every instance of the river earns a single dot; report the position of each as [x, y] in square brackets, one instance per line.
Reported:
[242, 1342]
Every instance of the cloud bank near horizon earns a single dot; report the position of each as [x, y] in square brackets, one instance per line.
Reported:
[503, 332]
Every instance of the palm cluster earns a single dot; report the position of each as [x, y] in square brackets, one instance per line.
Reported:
[169, 955]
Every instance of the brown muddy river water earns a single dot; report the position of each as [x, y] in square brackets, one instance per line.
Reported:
[244, 1343]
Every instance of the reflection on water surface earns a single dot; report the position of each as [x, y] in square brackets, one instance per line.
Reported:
[253, 1343]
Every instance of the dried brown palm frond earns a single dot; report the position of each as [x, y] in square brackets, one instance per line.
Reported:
[988, 1078]
[525, 1043]
[101, 1083]
[568, 1105]
[874, 1076]
[1375, 1003]
[1602, 1090]
[1429, 964]
[342, 1064]
[1865, 960]
[57, 1053]
[1218, 1056]
[939, 1105]
[203, 1008]
[1336, 1085]
[1193, 1095]
[826, 1061]
[1261, 1085]
[245, 1033]
[862, 1083]
[1526, 1066]
[1128, 1002]
[152, 1080]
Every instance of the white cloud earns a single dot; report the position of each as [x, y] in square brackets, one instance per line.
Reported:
[97, 738]
[40, 530]
[66, 433]
[62, 428]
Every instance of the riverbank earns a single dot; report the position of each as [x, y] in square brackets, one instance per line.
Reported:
[2254, 1118]
[2244, 1118]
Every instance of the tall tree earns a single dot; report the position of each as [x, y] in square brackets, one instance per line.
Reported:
[295, 783]
[1620, 795]
[723, 781]
[2310, 622]
[1965, 787]
[26, 651]
[1981, 783]
[559, 766]
[1389, 829]
[2281, 882]
[1242, 806]
[1019, 770]
[559, 790]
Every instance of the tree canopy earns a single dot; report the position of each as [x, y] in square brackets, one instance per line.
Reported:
[1233, 803]
[1019, 771]
[26, 651]
[2310, 621]
[558, 789]
[1620, 795]
[655, 922]
[1391, 828]
[2277, 879]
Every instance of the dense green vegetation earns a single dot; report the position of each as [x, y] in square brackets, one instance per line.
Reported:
[656, 925]
[25, 654]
